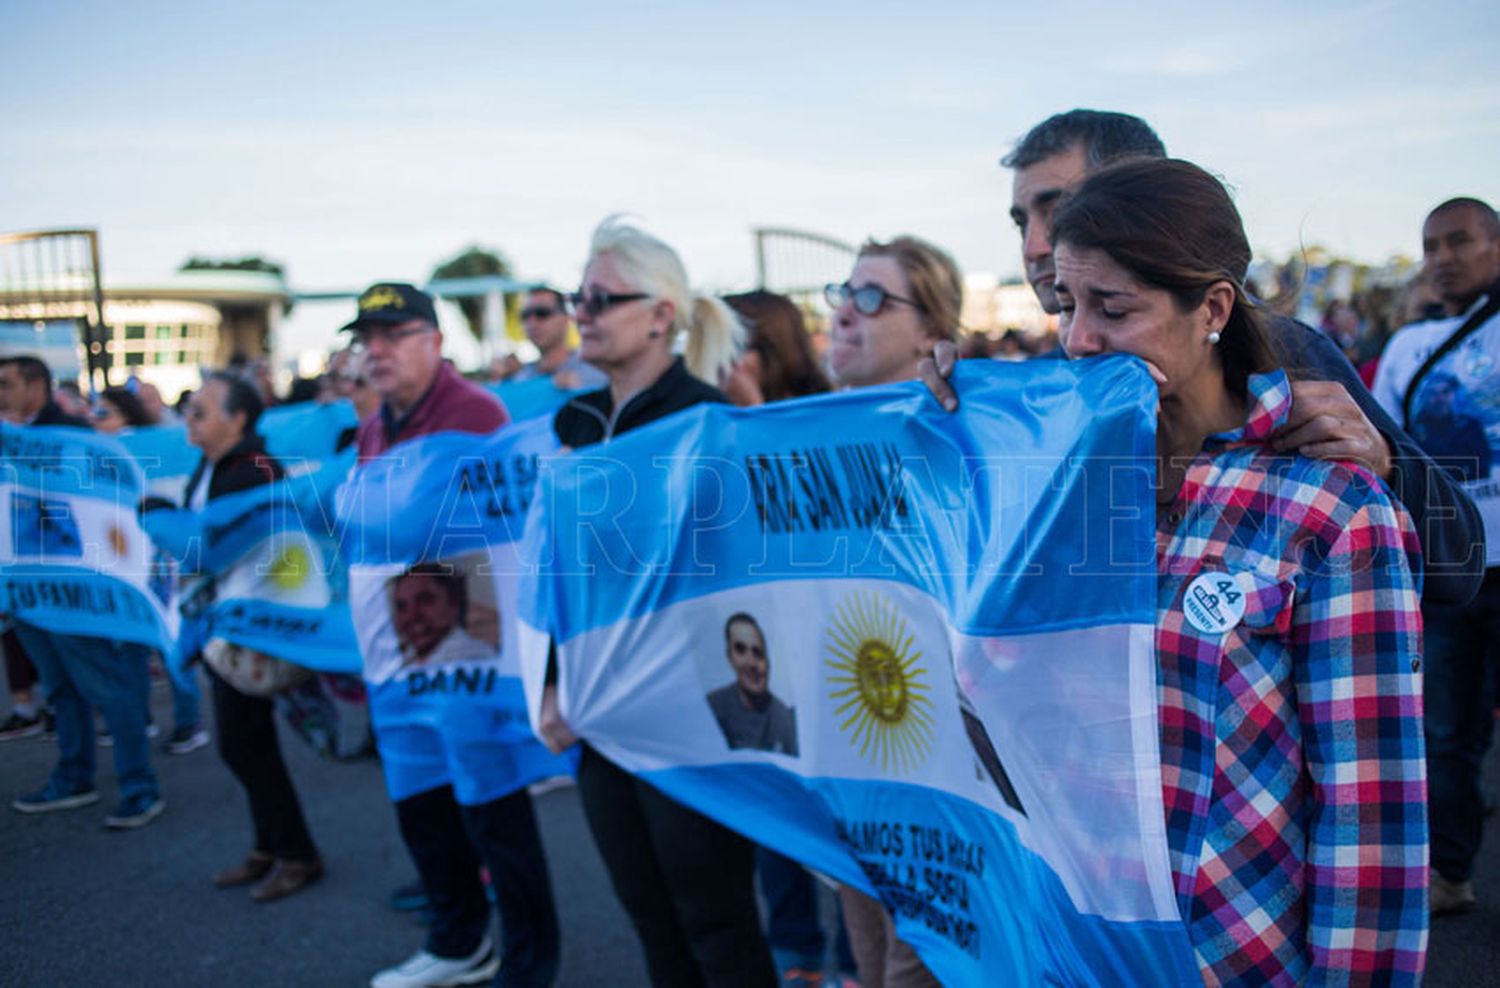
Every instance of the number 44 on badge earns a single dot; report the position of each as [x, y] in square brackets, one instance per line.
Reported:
[1214, 603]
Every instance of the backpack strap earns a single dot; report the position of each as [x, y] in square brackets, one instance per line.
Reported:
[1476, 319]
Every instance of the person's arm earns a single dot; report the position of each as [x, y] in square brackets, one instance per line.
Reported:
[1330, 426]
[1356, 640]
[551, 727]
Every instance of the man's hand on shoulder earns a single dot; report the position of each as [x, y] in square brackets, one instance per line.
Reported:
[935, 371]
[1325, 423]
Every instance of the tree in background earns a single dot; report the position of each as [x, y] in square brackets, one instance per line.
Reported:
[250, 262]
[478, 262]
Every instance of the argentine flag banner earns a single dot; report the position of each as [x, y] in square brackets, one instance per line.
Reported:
[306, 434]
[431, 531]
[273, 577]
[910, 649]
[73, 556]
[164, 455]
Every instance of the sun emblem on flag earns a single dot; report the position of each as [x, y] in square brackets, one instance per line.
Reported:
[875, 677]
[290, 569]
[117, 540]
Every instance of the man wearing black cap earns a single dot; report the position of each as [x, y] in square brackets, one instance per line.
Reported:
[396, 333]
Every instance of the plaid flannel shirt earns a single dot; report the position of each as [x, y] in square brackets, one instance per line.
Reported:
[1292, 756]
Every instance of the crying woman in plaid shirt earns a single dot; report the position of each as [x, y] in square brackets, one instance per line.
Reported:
[1288, 630]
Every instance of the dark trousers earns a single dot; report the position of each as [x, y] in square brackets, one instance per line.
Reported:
[684, 880]
[1462, 653]
[246, 728]
[19, 671]
[449, 842]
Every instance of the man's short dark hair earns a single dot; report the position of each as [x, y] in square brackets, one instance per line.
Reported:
[740, 617]
[1485, 210]
[557, 296]
[1104, 136]
[32, 369]
[239, 396]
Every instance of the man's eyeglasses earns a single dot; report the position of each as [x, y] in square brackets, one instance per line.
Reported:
[538, 312]
[386, 337]
[868, 299]
[597, 302]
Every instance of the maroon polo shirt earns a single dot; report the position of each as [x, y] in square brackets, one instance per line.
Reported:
[451, 404]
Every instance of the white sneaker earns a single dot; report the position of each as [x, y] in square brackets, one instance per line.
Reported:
[422, 969]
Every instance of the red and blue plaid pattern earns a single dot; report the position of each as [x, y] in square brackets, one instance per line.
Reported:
[1292, 758]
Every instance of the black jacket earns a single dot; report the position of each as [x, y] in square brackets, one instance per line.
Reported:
[51, 414]
[591, 418]
[1448, 525]
[245, 466]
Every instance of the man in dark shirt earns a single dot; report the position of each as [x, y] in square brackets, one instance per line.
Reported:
[25, 399]
[26, 394]
[82, 673]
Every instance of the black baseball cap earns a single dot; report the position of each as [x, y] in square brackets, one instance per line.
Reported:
[390, 303]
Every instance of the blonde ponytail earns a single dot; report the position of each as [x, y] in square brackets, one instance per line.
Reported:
[711, 334]
[715, 338]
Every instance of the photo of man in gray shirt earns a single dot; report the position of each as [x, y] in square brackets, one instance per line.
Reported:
[748, 714]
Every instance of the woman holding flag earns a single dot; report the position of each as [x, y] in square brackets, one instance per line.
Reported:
[684, 879]
[1288, 631]
[283, 858]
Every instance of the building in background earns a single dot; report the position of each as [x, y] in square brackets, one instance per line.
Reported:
[167, 330]
[994, 307]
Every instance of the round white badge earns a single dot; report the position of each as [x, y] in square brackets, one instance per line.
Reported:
[1214, 603]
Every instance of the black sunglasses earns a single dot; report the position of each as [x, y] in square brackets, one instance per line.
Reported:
[596, 302]
[868, 299]
[539, 312]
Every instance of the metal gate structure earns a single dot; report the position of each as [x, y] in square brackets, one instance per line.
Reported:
[52, 276]
[798, 262]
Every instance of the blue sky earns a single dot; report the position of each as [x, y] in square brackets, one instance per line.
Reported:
[364, 141]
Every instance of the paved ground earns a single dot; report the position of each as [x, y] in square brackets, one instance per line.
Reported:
[82, 906]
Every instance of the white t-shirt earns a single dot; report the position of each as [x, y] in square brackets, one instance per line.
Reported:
[1407, 351]
[1455, 414]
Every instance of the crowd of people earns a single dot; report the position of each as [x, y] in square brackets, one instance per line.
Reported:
[1320, 753]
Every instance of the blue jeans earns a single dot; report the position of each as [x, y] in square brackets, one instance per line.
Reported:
[793, 926]
[80, 674]
[1458, 698]
[186, 695]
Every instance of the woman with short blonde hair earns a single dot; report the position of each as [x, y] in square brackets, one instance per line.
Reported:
[683, 879]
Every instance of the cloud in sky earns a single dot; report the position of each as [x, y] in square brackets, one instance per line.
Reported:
[356, 142]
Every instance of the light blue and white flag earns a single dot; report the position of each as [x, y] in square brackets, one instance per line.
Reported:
[431, 531]
[74, 558]
[266, 570]
[165, 457]
[910, 649]
[306, 433]
[531, 399]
